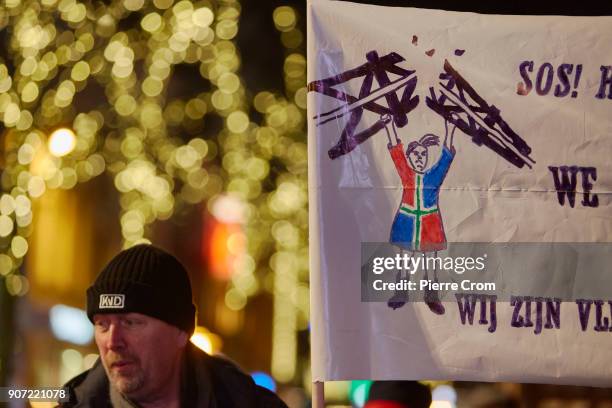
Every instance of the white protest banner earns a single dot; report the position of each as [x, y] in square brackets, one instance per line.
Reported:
[480, 143]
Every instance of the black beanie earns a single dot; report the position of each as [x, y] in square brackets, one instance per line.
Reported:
[147, 280]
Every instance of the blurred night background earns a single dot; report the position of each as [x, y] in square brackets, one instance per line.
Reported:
[181, 123]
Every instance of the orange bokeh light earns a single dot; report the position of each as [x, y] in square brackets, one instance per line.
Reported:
[222, 246]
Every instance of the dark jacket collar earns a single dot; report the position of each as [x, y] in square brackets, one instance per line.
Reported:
[89, 389]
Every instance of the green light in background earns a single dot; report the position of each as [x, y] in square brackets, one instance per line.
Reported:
[358, 392]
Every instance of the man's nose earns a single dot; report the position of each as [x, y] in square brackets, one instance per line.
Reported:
[116, 337]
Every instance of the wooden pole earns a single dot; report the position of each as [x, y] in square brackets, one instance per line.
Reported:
[318, 394]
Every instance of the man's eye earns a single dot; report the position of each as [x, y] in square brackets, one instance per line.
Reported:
[130, 322]
[101, 325]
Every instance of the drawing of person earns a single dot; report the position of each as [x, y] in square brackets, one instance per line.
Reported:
[417, 225]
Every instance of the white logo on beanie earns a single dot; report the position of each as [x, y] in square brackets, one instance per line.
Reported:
[112, 301]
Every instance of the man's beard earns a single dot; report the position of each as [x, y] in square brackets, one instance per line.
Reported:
[128, 385]
[126, 382]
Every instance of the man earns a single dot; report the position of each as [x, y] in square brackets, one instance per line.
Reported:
[141, 307]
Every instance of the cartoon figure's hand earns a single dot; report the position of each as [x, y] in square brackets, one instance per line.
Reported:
[386, 118]
[454, 116]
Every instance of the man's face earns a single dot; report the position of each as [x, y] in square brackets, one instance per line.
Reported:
[140, 353]
[418, 158]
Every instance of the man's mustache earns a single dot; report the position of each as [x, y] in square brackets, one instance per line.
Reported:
[120, 359]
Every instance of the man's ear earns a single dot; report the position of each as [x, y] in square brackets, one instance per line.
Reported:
[182, 339]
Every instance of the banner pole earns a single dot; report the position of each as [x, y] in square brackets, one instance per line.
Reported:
[318, 394]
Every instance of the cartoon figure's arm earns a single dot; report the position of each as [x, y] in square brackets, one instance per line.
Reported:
[449, 136]
[385, 120]
[396, 151]
[401, 163]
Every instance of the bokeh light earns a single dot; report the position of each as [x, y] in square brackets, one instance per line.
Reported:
[205, 340]
[62, 142]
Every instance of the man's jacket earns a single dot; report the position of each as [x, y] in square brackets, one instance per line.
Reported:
[207, 382]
